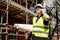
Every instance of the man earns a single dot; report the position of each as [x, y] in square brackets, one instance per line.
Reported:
[40, 24]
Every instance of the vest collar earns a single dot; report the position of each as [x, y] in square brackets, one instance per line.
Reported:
[39, 16]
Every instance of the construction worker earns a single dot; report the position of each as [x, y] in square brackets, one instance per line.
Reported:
[40, 24]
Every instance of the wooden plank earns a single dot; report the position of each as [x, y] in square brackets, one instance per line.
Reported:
[21, 7]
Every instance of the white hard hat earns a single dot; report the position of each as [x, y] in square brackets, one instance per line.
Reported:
[38, 5]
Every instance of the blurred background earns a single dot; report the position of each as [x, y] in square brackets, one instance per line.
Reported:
[21, 12]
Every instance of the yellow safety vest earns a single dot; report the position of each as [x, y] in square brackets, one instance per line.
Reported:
[39, 29]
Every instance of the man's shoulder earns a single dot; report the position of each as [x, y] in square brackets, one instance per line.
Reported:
[35, 16]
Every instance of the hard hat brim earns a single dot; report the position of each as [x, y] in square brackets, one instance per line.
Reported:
[38, 5]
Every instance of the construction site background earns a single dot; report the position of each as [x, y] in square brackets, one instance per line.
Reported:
[21, 12]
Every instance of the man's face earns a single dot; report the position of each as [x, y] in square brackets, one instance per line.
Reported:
[38, 9]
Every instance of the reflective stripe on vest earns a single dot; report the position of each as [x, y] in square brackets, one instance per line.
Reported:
[40, 32]
[39, 29]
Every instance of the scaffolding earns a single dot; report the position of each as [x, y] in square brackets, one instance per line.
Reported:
[6, 32]
[9, 27]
